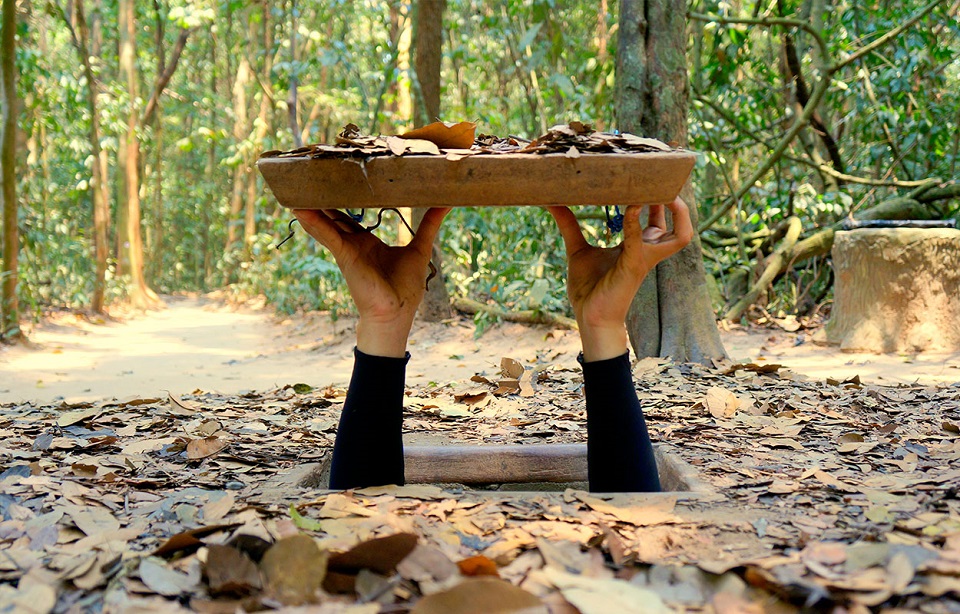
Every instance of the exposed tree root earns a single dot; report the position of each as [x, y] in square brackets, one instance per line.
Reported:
[529, 316]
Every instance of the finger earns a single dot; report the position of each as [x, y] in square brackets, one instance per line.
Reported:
[682, 225]
[428, 228]
[569, 228]
[321, 227]
[631, 221]
[657, 217]
[678, 238]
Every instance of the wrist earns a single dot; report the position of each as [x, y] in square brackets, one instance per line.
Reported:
[602, 343]
[383, 338]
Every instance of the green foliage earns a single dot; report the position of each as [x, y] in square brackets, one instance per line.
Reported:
[894, 115]
[515, 67]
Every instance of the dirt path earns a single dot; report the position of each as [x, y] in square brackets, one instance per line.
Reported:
[201, 344]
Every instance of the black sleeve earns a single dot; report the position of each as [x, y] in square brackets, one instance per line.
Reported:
[368, 450]
[619, 453]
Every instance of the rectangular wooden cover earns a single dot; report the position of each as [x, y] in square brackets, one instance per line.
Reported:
[479, 180]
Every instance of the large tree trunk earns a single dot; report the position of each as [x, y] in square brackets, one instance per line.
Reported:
[671, 315]
[428, 53]
[131, 244]
[80, 35]
[9, 306]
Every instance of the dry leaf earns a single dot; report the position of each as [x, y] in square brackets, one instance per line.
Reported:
[603, 595]
[231, 572]
[203, 448]
[510, 368]
[396, 144]
[422, 146]
[177, 406]
[72, 417]
[94, 520]
[189, 541]
[654, 513]
[480, 596]
[294, 569]
[727, 603]
[380, 555]
[164, 581]
[447, 136]
[478, 565]
[430, 568]
[721, 403]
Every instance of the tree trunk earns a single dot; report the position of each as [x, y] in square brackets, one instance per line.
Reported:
[139, 294]
[155, 243]
[263, 123]
[9, 305]
[294, 68]
[80, 35]
[897, 290]
[671, 315]
[241, 131]
[428, 54]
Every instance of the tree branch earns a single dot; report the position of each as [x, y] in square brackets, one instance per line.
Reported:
[795, 72]
[862, 51]
[777, 261]
[164, 78]
[818, 93]
[471, 306]
[828, 170]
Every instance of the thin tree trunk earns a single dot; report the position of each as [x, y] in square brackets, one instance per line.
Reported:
[241, 131]
[292, 94]
[250, 218]
[9, 305]
[428, 54]
[211, 170]
[77, 24]
[140, 295]
[671, 315]
[155, 238]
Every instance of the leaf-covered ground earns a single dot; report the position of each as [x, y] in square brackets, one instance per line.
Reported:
[830, 496]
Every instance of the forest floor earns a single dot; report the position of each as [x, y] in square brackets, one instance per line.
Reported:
[203, 344]
[148, 464]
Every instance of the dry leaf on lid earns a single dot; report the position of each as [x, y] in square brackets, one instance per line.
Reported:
[447, 136]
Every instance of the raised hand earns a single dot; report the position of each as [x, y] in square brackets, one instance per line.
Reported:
[386, 282]
[601, 282]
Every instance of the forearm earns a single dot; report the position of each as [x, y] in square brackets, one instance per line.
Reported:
[383, 338]
[619, 452]
[368, 450]
[602, 342]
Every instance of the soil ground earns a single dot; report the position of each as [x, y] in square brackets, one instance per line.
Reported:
[825, 493]
[202, 344]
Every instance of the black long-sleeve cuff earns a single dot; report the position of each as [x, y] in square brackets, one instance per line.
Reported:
[368, 450]
[619, 452]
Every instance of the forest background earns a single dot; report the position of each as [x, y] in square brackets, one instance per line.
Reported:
[134, 127]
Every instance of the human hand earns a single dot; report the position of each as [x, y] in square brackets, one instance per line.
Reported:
[601, 282]
[386, 282]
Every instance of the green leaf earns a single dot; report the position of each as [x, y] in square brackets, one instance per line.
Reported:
[302, 522]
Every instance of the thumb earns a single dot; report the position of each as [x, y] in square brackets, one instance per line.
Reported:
[428, 228]
[569, 228]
